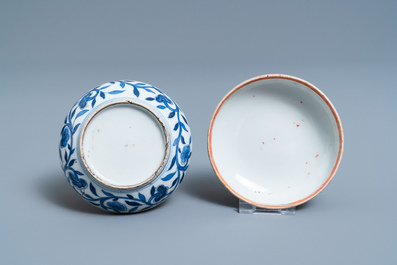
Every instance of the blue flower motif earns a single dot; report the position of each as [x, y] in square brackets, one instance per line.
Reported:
[161, 193]
[130, 202]
[185, 155]
[116, 206]
[65, 136]
[161, 98]
[83, 101]
[77, 182]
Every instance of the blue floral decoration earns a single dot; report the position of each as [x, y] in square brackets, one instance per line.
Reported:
[161, 193]
[185, 155]
[135, 200]
[65, 136]
[76, 181]
[116, 206]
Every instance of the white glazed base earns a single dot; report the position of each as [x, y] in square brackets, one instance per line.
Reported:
[123, 145]
[274, 143]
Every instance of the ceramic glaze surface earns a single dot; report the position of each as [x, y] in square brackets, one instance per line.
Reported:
[125, 146]
[116, 144]
[275, 142]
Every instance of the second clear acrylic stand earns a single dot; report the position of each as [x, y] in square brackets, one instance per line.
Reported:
[247, 208]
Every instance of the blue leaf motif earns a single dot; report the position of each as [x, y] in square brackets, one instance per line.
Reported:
[183, 117]
[102, 95]
[172, 114]
[122, 84]
[81, 113]
[161, 107]
[130, 196]
[73, 112]
[183, 139]
[183, 175]
[176, 126]
[107, 193]
[174, 182]
[71, 162]
[133, 203]
[133, 209]
[93, 190]
[172, 163]
[148, 90]
[83, 101]
[152, 190]
[183, 127]
[168, 177]
[93, 103]
[65, 136]
[75, 128]
[114, 92]
[142, 197]
[149, 99]
[136, 92]
[175, 141]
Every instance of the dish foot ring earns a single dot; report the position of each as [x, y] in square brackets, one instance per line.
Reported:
[246, 208]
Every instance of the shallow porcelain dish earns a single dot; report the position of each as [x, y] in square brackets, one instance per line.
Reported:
[125, 146]
[275, 141]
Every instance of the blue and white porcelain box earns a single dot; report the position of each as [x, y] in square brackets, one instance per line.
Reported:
[125, 146]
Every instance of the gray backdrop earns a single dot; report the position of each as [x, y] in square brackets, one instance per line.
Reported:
[52, 52]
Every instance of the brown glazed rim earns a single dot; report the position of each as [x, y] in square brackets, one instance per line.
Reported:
[124, 187]
[322, 96]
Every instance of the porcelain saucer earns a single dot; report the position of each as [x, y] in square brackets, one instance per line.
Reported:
[275, 141]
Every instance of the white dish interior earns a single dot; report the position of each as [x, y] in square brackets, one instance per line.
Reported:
[275, 142]
[123, 145]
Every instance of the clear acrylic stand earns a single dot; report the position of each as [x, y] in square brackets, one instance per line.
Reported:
[247, 208]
